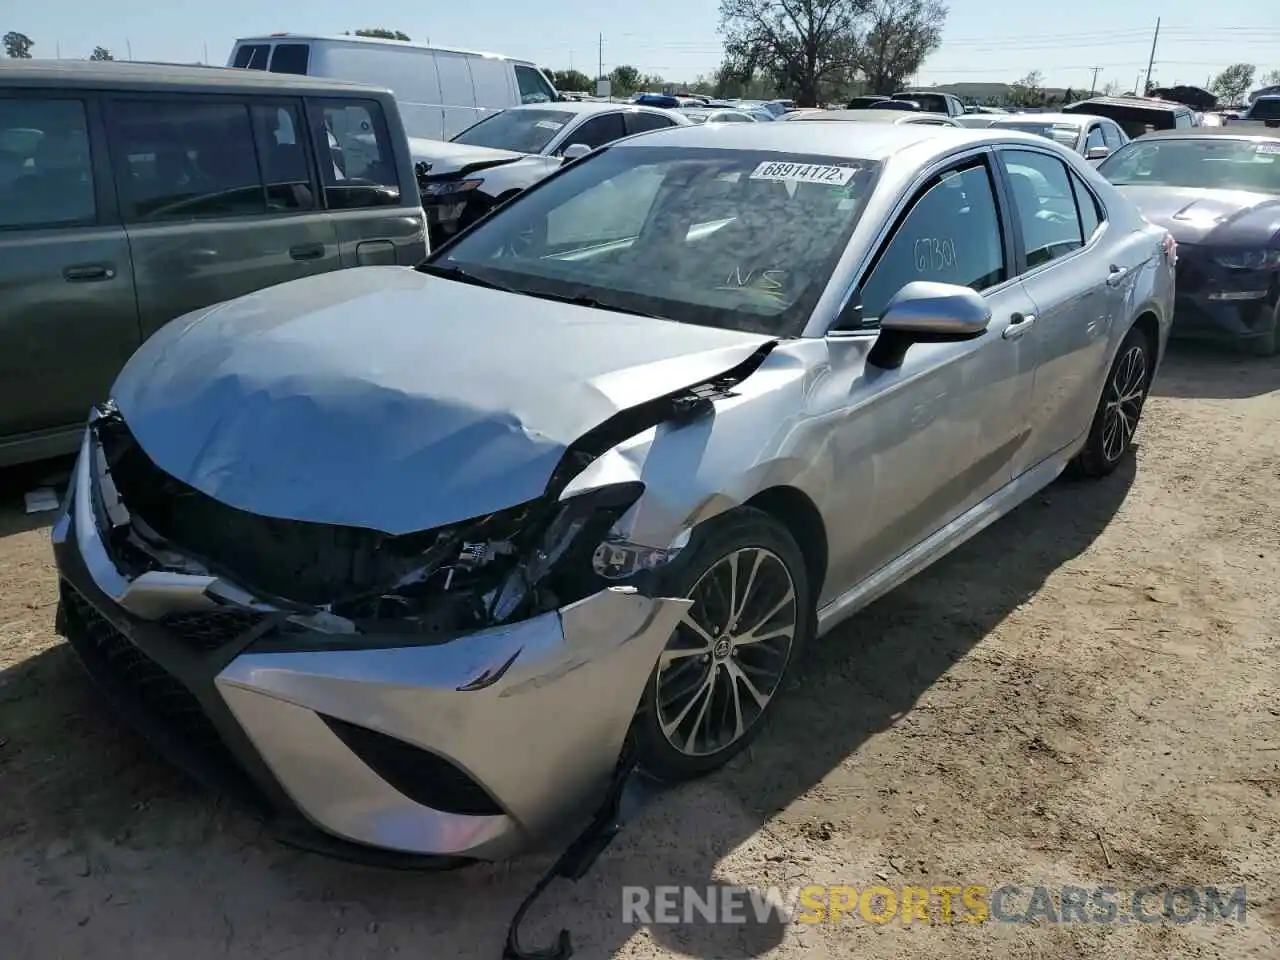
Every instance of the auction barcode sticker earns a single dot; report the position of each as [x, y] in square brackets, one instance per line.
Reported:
[803, 173]
[1268, 148]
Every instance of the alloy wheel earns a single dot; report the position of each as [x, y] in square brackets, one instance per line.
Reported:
[725, 660]
[1126, 394]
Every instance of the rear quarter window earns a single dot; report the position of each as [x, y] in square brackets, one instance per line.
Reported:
[252, 56]
[290, 58]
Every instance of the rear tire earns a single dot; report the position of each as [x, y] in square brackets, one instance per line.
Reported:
[1119, 409]
[724, 667]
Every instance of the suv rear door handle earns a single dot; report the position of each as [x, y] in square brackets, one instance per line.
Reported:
[1019, 324]
[307, 251]
[1116, 274]
[88, 272]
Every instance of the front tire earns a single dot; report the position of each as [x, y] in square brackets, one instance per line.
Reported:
[729, 659]
[1120, 408]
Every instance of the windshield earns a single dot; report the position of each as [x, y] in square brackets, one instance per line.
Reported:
[1211, 163]
[1064, 133]
[727, 238]
[521, 131]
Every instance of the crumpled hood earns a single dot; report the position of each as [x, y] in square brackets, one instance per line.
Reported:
[384, 398]
[446, 156]
[1209, 216]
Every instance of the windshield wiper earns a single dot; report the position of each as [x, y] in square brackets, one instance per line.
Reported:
[463, 276]
[584, 300]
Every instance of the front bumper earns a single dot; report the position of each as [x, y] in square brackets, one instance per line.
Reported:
[476, 748]
[1214, 303]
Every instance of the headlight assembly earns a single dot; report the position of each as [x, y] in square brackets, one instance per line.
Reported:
[1252, 259]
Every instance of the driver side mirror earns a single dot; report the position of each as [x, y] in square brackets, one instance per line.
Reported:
[1097, 153]
[927, 312]
[574, 151]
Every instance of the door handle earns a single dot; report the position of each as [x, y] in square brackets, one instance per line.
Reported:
[1019, 324]
[1116, 274]
[307, 251]
[88, 272]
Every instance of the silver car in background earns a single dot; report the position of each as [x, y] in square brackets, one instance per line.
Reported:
[1094, 138]
[417, 555]
[874, 116]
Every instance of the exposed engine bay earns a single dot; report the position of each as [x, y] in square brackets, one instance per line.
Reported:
[509, 565]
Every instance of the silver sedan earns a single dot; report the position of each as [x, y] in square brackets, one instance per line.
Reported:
[415, 556]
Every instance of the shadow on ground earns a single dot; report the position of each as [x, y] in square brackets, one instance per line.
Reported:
[72, 772]
[1214, 372]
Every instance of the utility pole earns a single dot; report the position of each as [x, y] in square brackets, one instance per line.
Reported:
[1151, 62]
[128, 48]
[1093, 84]
[600, 56]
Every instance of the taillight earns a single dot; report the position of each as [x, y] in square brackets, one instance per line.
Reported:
[1170, 248]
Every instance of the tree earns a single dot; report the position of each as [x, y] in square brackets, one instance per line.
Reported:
[17, 45]
[1111, 89]
[101, 53]
[1233, 83]
[572, 80]
[900, 34]
[803, 45]
[1028, 92]
[624, 79]
[1271, 79]
[381, 34]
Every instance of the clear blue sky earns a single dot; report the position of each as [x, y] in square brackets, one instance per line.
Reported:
[995, 40]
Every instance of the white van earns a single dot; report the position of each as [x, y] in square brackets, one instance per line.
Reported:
[440, 91]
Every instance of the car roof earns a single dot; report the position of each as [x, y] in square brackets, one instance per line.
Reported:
[133, 74]
[1230, 131]
[870, 116]
[1074, 119]
[375, 41]
[874, 141]
[590, 106]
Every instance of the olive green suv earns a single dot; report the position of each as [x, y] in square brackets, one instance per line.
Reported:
[133, 193]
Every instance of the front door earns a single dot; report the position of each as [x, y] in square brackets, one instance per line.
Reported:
[924, 443]
[68, 316]
[219, 199]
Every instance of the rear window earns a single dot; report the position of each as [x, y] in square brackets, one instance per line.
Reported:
[521, 131]
[1063, 133]
[929, 102]
[252, 56]
[729, 238]
[290, 58]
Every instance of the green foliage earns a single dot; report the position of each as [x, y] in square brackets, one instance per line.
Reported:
[381, 34]
[17, 46]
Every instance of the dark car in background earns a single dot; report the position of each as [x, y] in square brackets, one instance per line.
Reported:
[932, 101]
[1217, 190]
[133, 193]
[462, 179]
[1137, 115]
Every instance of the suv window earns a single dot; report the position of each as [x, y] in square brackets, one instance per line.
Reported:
[46, 173]
[598, 131]
[290, 58]
[184, 160]
[1045, 204]
[357, 163]
[277, 133]
[640, 121]
[533, 85]
[951, 235]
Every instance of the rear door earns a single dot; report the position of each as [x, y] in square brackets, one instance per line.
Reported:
[219, 198]
[68, 314]
[373, 222]
[1065, 272]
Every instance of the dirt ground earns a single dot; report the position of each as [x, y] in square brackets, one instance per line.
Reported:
[1086, 693]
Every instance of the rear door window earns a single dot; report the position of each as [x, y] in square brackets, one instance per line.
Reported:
[598, 131]
[357, 162]
[290, 58]
[1046, 205]
[282, 155]
[1095, 138]
[1091, 216]
[252, 56]
[456, 88]
[533, 85]
[46, 170]
[184, 159]
[1112, 136]
[640, 121]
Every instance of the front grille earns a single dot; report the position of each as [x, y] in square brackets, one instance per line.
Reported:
[211, 630]
[132, 674]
